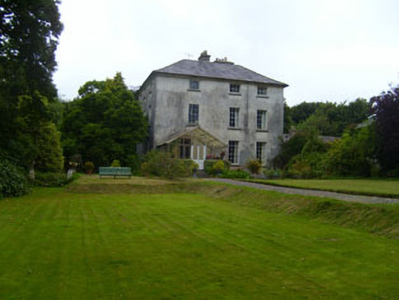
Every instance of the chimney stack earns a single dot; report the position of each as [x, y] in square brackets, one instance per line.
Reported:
[204, 56]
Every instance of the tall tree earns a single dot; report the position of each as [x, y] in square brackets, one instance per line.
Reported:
[29, 32]
[386, 109]
[105, 123]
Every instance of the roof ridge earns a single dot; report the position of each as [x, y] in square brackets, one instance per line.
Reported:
[188, 67]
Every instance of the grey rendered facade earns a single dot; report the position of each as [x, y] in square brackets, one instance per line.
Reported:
[202, 109]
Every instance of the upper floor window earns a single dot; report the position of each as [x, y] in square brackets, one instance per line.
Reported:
[233, 118]
[194, 85]
[261, 119]
[193, 113]
[234, 88]
[262, 90]
[233, 152]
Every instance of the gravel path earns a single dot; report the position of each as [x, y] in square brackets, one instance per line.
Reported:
[286, 190]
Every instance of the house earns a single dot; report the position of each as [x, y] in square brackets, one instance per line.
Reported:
[200, 109]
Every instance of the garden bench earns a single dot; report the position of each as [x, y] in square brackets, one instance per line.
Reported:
[115, 171]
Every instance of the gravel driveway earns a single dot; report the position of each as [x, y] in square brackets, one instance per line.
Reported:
[286, 190]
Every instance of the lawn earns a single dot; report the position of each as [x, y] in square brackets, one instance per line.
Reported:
[354, 186]
[65, 244]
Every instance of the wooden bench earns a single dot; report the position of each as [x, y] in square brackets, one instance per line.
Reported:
[113, 171]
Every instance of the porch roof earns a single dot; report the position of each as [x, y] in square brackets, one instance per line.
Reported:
[196, 133]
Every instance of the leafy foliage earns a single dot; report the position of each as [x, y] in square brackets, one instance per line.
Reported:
[353, 154]
[12, 180]
[116, 163]
[105, 123]
[289, 149]
[254, 166]
[88, 166]
[235, 174]
[29, 32]
[164, 164]
[329, 118]
[218, 166]
[49, 158]
[209, 163]
[53, 179]
[386, 109]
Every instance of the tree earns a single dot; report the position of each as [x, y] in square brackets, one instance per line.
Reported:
[386, 109]
[330, 118]
[353, 154]
[104, 123]
[29, 32]
[288, 123]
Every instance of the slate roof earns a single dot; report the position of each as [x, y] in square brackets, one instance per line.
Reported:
[228, 71]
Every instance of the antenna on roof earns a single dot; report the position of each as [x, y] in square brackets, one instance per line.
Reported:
[189, 55]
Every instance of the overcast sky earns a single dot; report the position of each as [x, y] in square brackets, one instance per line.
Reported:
[335, 50]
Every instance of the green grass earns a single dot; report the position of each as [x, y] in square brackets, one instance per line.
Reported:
[377, 187]
[219, 243]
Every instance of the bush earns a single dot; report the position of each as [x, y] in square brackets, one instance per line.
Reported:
[306, 166]
[116, 163]
[218, 166]
[134, 162]
[235, 174]
[53, 179]
[13, 180]
[163, 164]
[272, 173]
[254, 166]
[208, 166]
[88, 166]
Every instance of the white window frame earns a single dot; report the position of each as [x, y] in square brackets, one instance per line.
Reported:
[261, 117]
[262, 90]
[193, 114]
[260, 151]
[234, 117]
[234, 88]
[233, 152]
[194, 84]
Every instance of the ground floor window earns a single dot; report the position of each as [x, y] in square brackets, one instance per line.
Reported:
[185, 148]
[260, 151]
[233, 152]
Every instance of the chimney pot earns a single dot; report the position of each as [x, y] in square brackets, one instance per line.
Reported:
[204, 56]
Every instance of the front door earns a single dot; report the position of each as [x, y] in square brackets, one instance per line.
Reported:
[198, 154]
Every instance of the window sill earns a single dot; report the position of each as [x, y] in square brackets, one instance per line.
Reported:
[192, 124]
[234, 128]
[262, 96]
[234, 94]
[262, 130]
[193, 90]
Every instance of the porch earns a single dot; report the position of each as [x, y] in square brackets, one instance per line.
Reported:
[196, 144]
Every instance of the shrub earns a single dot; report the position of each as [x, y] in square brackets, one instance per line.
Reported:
[163, 164]
[13, 180]
[88, 166]
[307, 165]
[272, 173]
[208, 166]
[235, 174]
[53, 179]
[134, 162]
[218, 166]
[116, 163]
[254, 166]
